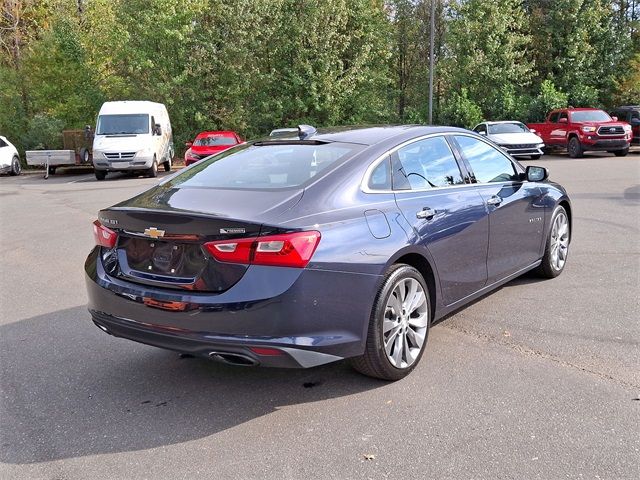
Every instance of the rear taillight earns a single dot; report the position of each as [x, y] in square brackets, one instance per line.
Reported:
[105, 237]
[285, 250]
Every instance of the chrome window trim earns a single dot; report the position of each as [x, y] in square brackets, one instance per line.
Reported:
[364, 184]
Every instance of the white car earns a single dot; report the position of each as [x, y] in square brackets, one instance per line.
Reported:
[9, 158]
[514, 137]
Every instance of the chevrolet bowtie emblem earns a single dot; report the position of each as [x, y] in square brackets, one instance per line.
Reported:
[153, 232]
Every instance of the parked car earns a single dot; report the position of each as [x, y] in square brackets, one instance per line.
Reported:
[210, 143]
[514, 137]
[631, 115]
[584, 129]
[9, 158]
[132, 136]
[336, 244]
[283, 132]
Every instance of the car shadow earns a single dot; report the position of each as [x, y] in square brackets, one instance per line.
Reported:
[70, 390]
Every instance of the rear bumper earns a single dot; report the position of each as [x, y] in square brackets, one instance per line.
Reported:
[212, 346]
[312, 316]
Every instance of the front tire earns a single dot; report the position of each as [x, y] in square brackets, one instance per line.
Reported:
[16, 168]
[100, 174]
[398, 326]
[153, 171]
[621, 153]
[574, 148]
[557, 245]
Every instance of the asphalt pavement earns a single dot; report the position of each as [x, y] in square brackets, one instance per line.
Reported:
[538, 380]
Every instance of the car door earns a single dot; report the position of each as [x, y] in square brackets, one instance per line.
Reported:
[448, 216]
[516, 212]
[5, 154]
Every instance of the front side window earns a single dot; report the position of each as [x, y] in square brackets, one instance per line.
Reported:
[487, 163]
[481, 128]
[134, 124]
[264, 166]
[425, 164]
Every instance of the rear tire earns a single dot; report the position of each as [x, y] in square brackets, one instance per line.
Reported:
[100, 174]
[621, 153]
[167, 165]
[16, 168]
[557, 245]
[398, 326]
[574, 148]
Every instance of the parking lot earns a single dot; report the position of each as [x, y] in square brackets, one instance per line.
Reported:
[540, 379]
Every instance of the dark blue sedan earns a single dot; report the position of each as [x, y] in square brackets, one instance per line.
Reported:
[302, 250]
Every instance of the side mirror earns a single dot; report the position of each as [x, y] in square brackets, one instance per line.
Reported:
[158, 129]
[635, 122]
[188, 144]
[615, 119]
[483, 133]
[563, 120]
[533, 130]
[536, 174]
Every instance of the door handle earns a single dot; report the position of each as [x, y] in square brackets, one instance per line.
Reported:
[494, 200]
[426, 213]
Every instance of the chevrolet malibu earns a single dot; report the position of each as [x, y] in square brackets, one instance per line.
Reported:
[302, 250]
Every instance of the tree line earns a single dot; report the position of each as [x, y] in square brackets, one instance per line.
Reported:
[253, 65]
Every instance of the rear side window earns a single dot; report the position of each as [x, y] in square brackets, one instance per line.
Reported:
[264, 167]
[380, 178]
[553, 118]
[488, 163]
[425, 164]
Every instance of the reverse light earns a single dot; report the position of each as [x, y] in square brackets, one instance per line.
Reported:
[105, 237]
[588, 129]
[284, 250]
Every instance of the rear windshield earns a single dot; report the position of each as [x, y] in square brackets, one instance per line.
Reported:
[213, 141]
[590, 116]
[264, 167]
[515, 127]
[123, 124]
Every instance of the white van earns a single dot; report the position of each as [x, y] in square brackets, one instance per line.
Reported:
[132, 136]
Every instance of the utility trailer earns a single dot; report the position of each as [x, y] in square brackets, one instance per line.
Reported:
[77, 151]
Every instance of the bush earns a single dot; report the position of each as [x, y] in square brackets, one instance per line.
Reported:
[506, 104]
[584, 96]
[43, 133]
[459, 111]
[548, 99]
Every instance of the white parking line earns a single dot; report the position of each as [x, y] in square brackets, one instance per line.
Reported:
[86, 177]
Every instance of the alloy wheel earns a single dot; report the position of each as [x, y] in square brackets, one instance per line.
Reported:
[405, 323]
[559, 241]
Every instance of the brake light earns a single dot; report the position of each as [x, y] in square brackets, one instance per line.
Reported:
[105, 237]
[285, 250]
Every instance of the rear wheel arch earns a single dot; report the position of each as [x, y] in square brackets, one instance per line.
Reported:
[420, 263]
[567, 206]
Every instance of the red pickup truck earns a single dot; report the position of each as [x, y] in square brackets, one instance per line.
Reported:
[584, 129]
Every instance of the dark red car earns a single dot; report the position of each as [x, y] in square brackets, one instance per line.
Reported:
[210, 143]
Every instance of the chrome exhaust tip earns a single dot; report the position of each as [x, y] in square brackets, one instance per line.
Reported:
[234, 359]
